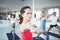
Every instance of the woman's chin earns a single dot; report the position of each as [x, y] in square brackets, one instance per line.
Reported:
[29, 20]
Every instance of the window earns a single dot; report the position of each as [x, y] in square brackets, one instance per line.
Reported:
[50, 11]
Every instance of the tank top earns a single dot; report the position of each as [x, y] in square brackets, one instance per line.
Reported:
[27, 35]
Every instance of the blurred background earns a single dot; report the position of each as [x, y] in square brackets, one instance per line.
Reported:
[12, 7]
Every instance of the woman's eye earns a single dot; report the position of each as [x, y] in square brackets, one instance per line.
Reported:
[27, 13]
[30, 13]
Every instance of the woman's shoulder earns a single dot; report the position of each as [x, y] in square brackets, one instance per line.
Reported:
[19, 25]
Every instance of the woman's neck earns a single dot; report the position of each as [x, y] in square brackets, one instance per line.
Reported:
[25, 21]
[42, 16]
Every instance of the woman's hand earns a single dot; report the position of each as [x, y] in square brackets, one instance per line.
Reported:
[38, 31]
[46, 31]
[42, 31]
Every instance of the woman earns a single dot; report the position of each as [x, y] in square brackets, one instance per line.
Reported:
[54, 22]
[43, 23]
[25, 29]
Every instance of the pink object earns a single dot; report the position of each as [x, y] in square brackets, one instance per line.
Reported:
[27, 35]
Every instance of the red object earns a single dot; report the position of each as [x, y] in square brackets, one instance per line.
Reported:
[27, 35]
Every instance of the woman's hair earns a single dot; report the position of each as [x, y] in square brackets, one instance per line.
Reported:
[22, 11]
[54, 12]
[43, 12]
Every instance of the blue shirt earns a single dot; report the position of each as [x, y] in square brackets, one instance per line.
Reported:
[43, 24]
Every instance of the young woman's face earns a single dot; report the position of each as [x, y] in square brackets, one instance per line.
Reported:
[27, 15]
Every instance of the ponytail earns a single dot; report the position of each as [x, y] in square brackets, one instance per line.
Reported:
[21, 19]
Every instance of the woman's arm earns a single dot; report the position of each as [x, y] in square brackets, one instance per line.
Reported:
[37, 30]
[48, 16]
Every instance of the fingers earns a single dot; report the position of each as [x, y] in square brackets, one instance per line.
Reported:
[42, 32]
[46, 31]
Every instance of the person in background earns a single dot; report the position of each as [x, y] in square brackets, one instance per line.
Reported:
[43, 19]
[26, 29]
[1, 17]
[54, 19]
[8, 16]
[13, 22]
[13, 19]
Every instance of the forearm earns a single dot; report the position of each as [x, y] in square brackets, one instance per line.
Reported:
[37, 31]
[40, 31]
[49, 15]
